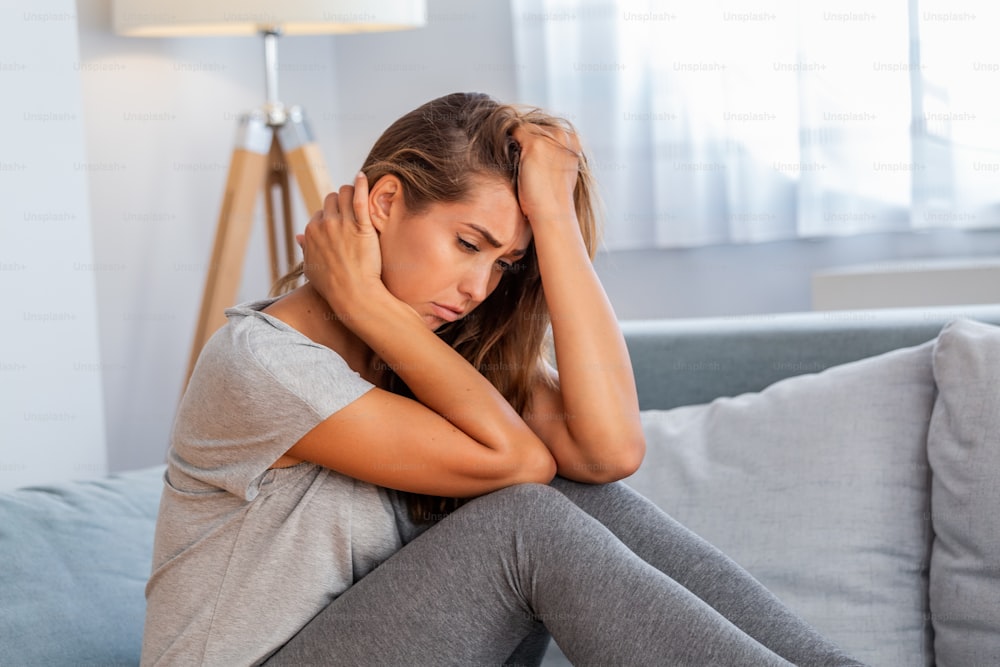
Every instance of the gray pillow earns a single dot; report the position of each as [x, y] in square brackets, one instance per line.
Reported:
[964, 451]
[819, 486]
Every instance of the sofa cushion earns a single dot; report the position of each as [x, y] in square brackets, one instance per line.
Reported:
[75, 559]
[964, 453]
[818, 485]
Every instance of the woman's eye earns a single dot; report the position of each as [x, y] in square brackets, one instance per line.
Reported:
[472, 248]
[465, 245]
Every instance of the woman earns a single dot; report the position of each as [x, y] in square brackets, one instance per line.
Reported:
[380, 467]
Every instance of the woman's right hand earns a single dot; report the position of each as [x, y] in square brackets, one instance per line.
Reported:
[341, 255]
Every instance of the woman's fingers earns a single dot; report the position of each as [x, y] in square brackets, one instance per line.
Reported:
[331, 206]
[549, 170]
[360, 202]
[341, 248]
[352, 203]
[345, 203]
[529, 133]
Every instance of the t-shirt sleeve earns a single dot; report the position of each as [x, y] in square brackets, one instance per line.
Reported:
[256, 390]
[312, 373]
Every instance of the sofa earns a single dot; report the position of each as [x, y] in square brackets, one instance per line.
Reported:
[849, 460]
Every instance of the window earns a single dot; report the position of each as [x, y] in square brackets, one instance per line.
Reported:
[712, 122]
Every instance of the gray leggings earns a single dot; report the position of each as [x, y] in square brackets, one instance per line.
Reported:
[607, 573]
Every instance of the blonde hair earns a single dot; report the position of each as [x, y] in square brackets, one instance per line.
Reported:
[440, 151]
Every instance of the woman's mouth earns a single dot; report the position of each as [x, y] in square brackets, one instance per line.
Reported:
[446, 313]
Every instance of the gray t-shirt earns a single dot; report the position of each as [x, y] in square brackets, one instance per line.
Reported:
[244, 555]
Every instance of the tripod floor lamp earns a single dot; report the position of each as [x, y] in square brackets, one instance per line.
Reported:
[273, 142]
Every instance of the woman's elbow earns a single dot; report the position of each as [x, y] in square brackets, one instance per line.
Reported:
[612, 466]
[632, 455]
[532, 464]
[543, 467]
[624, 465]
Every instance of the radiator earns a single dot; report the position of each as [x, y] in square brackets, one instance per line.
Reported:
[908, 283]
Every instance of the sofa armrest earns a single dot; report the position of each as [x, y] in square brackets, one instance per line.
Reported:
[690, 361]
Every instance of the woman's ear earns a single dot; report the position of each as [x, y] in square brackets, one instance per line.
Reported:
[383, 197]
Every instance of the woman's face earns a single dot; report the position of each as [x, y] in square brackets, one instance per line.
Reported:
[445, 260]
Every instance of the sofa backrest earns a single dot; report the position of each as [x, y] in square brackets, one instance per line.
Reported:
[690, 361]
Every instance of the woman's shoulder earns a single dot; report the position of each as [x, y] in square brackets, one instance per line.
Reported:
[253, 341]
[259, 355]
[257, 316]
[255, 361]
[251, 329]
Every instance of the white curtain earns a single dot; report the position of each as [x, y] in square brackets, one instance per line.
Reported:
[725, 122]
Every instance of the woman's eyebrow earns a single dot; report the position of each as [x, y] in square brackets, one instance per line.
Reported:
[492, 239]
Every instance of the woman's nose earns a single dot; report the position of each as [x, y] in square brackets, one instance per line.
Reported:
[475, 282]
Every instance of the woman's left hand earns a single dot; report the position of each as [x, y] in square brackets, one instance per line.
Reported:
[548, 171]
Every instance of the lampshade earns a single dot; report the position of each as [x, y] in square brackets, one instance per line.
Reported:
[177, 18]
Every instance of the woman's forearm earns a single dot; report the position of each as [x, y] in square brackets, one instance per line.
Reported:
[595, 373]
[599, 437]
[440, 378]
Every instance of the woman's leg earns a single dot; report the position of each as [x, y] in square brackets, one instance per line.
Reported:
[531, 651]
[702, 569]
[471, 588]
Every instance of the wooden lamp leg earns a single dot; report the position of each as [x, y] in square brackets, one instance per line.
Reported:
[278, 206]
[247, 170]
[306, 164]
[261, 149]
[305, 161]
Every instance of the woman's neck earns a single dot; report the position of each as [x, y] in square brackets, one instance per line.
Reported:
[307, 312]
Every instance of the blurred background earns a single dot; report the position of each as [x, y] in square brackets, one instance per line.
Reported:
[754, 158]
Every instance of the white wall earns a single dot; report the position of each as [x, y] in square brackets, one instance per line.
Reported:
[51, 416]
[160, 117]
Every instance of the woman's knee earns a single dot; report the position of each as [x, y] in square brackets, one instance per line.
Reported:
[586, 495]
[518, 505]
[519, 496]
